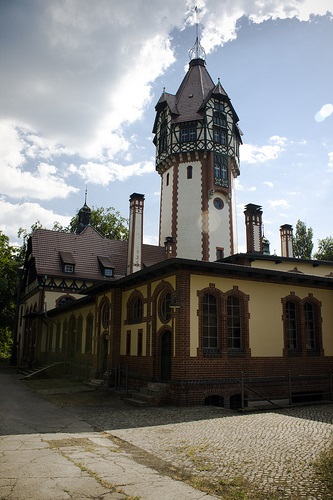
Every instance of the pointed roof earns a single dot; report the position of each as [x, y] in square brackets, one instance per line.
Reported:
[192, 96]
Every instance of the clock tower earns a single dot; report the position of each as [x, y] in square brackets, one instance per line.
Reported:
[197, 143]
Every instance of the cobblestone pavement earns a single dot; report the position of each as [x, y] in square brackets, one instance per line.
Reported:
[274, 450]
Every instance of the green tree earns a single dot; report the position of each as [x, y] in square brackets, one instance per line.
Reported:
[303, 244]
[9, 264]
[107, 221]
[325, 249]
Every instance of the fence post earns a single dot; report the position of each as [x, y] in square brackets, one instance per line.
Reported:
[289, 387]
[242, 390]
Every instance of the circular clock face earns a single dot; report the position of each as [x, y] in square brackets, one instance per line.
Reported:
[218, 203]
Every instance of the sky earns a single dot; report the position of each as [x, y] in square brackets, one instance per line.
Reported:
[79, 81]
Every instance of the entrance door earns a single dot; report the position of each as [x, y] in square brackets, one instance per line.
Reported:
[166, 353]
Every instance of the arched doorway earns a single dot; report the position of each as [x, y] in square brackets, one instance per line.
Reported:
[165, 355]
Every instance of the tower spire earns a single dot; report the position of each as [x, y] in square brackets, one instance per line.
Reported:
[197, 51]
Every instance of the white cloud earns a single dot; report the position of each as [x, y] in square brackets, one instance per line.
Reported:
[240, 187]
[16, 215]
[324, 112]
[269, 184]
[330, 161]
[103, 174]
[41, 181]
[275, 204]
[261, 154]
[220, 18]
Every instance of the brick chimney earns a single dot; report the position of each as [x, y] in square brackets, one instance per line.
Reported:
[286, 235]
[135, 237]
[253, 223]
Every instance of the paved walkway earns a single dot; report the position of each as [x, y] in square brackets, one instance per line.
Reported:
[112, 451]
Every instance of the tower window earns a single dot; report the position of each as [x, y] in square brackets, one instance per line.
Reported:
[219, 253]
[163, 142]
[220, 135]
[220, 170]
[189, 171]
[167, 179]
[219, 116]
[188, 134]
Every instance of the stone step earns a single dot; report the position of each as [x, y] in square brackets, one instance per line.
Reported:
[139, 403]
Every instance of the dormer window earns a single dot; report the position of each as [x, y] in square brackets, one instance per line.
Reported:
[108, 272]
[106, 267]
[68, 262]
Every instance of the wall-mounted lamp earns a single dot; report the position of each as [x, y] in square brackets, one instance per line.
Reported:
[175, 302]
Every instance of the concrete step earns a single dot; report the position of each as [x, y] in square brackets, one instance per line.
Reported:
[32, 372]
[139, 403]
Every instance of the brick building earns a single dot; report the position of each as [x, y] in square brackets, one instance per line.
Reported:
[216, 326]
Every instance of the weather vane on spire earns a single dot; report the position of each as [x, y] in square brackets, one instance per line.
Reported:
[197, 51]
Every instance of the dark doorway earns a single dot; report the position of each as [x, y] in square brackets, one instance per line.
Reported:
[166, 353]
[104, 344]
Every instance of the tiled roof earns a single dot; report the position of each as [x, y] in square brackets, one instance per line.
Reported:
[193, 90]
[85, 248]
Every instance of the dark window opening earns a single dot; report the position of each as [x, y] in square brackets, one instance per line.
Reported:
[236, 401]
[189, 172]
[214, 400]
[303, 397]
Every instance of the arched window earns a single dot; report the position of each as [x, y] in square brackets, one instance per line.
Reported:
[167, 179]
[292, 328]
[234, 324]
[189, 171]
[137, 309]
[64, 299]
[209, 322]
[89, 333]
[165, 310]
[105, 316]
[302, 326]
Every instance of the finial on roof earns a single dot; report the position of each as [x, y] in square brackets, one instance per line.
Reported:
[85, 196]
[197, 51]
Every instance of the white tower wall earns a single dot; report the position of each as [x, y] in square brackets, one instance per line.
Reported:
[189, 218]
